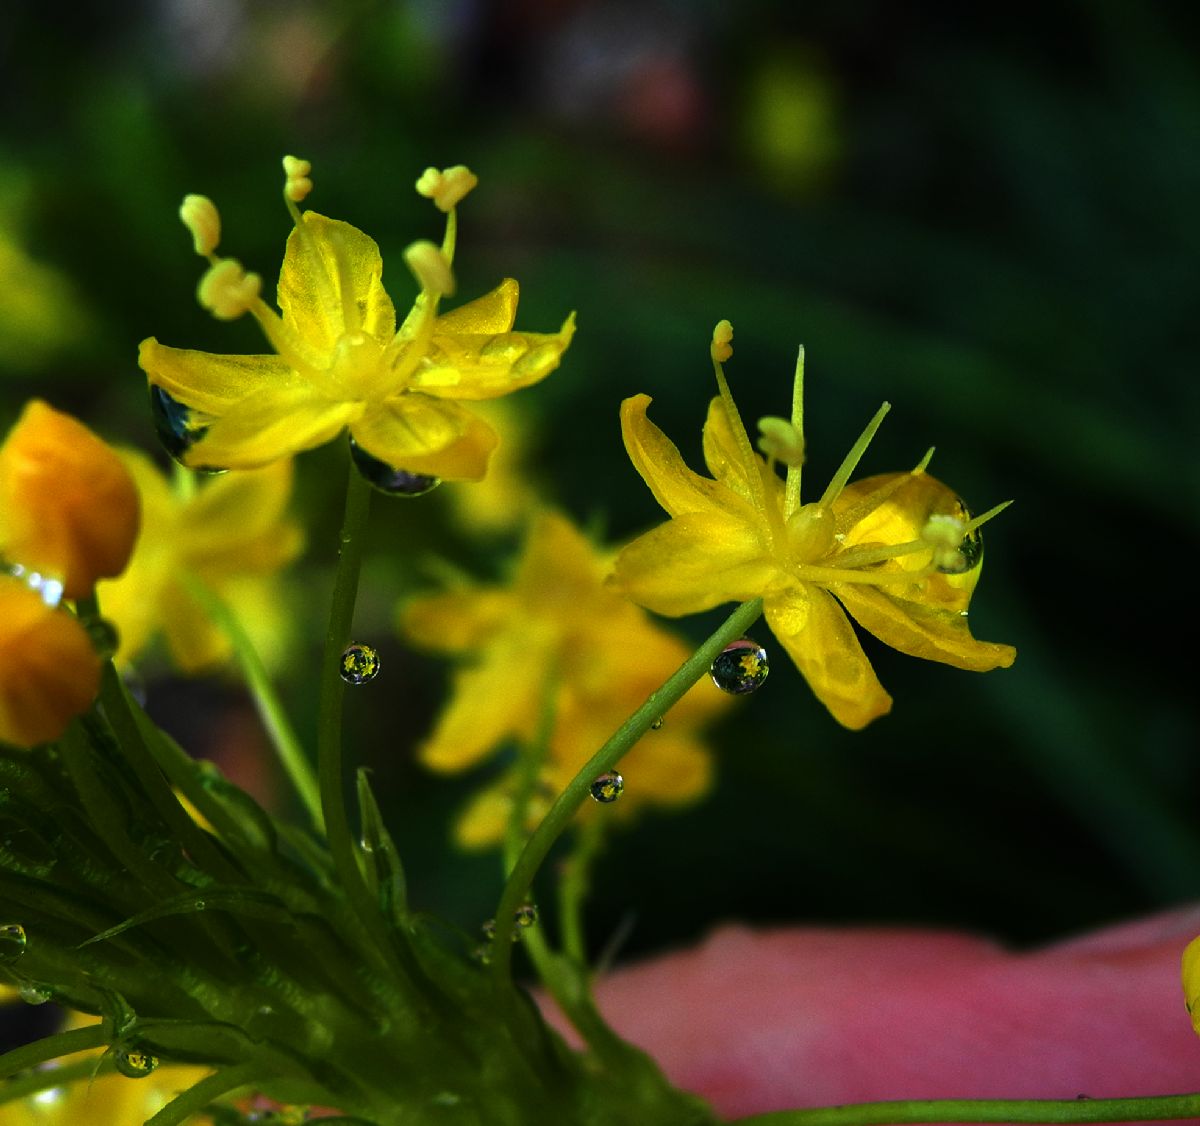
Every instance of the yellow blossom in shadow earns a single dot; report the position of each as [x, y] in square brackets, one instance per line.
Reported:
[506, 497]
[232, 534]
[557, 628]
[899, 552]
[339, 361]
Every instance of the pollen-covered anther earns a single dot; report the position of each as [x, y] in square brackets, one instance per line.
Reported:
[200, 216]
[430, 268]
[945, 534]
[298, 183]
[780, 440]
[227, 291]
[446, 187]
[722, 342]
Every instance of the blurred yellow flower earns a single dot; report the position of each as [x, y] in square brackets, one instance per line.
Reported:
[232, 534]
[899, 552]
[506, 497]
[557, 624]
[68, 509]
[339, 359]
[49, 670]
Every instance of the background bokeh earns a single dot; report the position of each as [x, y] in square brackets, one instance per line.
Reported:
[989, 220]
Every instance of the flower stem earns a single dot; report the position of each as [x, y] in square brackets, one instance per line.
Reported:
[560, 813]
[270, 709]
[986, 1110]
[573, 888]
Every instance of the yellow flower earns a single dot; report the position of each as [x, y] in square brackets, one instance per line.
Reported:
[68, 509]
[340, 361]
[899, 552]
[49, 671]
[557, 624]
[231, 534]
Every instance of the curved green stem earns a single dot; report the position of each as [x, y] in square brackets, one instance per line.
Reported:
[563, 809]
[270, 709]
[573, 888]
[1083, 1109]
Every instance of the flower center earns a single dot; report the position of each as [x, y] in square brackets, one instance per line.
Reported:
[357, 365]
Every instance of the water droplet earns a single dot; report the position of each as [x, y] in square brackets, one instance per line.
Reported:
[657, 724]
[482, 954]
[489, 929]
[13, 941]
[740, 667]
[176, 427]
[360, 663]
[970, 551]
[608, 787]
[104, 636]
[135, 1063]
[526, 915]
[34, 994]
[387, 478]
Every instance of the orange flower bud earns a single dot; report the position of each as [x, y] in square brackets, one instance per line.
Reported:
[49, 671]
[68, 507]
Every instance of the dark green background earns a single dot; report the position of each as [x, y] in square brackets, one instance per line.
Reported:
[996, 228]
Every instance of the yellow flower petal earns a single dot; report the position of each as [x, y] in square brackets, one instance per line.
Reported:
[269, 425]
[923, 631]
[670, 768]
[694, 562]
[485, 366]
[739, 470]
[421, 434]
[247, 507]
[490, 315]
[457, 621]
[676, 487]
[326, 263]
[210, 383]
[811, 626]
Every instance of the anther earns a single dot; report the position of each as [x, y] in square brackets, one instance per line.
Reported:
[200, 216]
[227, 291]
[446, 187]
[298, 183]
[430, 268]
[781, 440]
[722, 342]
[945, 534]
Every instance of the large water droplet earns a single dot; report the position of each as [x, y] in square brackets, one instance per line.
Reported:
[360, 663]
[387, 478]
[135, 1063]
[526, 915]
[970, 551]
[176, 427]
[34, 994]
[13, 941]
[608, 787]
[740, 667]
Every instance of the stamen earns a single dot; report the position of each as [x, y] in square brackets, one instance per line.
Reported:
[866, 556]
[944, 535]
[791, 494]
[430, 268]
[227, 291]
[721, 348]
[979, 521]
[298, 182]
[829, 576]
[200, 216]
[447, 187]
[923, 464]
[780, 441]
[850, 462]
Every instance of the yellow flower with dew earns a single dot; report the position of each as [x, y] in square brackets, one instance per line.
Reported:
[232, 534]
[557, 626]
[899, 552]
[339, 360]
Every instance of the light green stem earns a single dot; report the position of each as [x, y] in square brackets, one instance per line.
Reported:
[560, 813]
[270, 709]
[573, 887]
[1161, 1107]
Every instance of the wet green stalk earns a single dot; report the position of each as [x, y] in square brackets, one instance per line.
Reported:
[559, 816]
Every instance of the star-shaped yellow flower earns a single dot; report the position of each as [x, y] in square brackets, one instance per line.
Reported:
[339, 360]
[899, 552]
[557, 624]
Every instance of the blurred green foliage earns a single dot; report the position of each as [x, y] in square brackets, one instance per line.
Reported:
[989, 221]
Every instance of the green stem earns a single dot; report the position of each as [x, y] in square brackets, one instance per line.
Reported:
[51, 1048]
[529, 766]
[209, 1089]
[270, 709]
[576, 793]
[573, 888]
[986, 1110]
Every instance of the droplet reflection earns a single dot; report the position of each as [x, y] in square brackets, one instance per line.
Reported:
[387, 478]
[607, 787]
[360, 664]
[741, 667]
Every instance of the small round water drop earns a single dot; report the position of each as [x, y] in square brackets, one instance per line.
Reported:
[34, 994]
[741, 667]
[175, 425]
[13, 941]
[135, 1063]
[608, 787]
[656, 725]
[489, 929]
[104, 636]
[387, 478]
[482, 954]
[525, 915]
[360, 663]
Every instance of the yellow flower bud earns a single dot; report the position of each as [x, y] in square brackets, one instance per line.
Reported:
[49, 672]
[68, 507]
[430, 268]
[722, 339]
[227, 291]
[200, 216]
[298, 183]
[446, 187]
[781, 440]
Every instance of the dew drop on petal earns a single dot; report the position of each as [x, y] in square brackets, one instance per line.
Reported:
[34, 994]
[607, 787]
[657, 724]
[360, 664]
[135, 1063]
[13, 941]
[387, 478]
[526, 915]
[970, 551]
[175, 426]
[741, 667]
